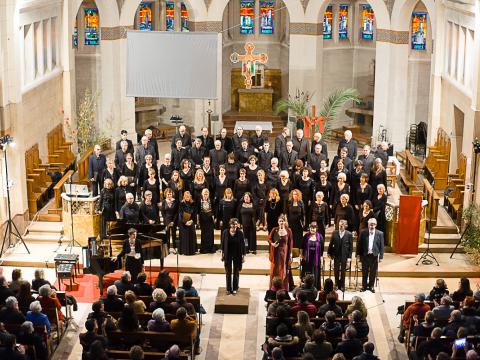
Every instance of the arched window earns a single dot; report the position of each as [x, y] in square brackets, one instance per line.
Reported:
[267, 16]
[368, 22]
[170, 16]
[343, 21]
[145, 16]
[91, 26]
[419, 31]
[327, 22]
[247, 16]
[184, 18]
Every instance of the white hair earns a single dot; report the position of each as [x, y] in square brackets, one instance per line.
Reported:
[126, 275]
[347, 133]
[27, 326]
[343, 176]
[372, 221]
[44, 290]
[345, 196]
[11, 302]
[112, 290]
[35, 306]
[381, 186]
[284, 173]
[158, 314]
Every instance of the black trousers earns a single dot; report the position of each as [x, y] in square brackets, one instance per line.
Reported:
[339, 270]
[232, 272]
[134, 266]
[369, 270]
[94, 185]
[171, 233]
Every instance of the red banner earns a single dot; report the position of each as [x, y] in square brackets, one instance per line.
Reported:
[410, 213]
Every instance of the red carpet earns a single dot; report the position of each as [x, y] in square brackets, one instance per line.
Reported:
[88, 290]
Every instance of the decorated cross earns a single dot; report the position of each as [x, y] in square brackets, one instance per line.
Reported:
[317, 123]
[249, 61]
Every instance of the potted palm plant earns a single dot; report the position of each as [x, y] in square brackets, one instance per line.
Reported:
[471, 236]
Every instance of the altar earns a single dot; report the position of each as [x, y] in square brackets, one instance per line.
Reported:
[257, 100]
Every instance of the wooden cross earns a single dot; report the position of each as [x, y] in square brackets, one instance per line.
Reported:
[249, 61]
[316, 122]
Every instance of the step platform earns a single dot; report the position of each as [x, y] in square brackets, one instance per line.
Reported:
[232, 304]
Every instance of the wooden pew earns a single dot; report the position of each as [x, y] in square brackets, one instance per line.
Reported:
[148, 355]
[454, 200]
[433, 199]
[438, 161]
[59, 150]
[58, 189]
[342, 303]
[82, 167]
[409, 176]
[38, 181]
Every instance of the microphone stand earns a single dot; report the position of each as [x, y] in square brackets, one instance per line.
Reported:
[428, 257]
[150, 247]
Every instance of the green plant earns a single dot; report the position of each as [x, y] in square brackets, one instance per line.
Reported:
[471, 238]
[298, 104]
[334, 103]
[87, 133]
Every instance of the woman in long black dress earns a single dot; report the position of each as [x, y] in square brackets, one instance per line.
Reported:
[186, 174]
[251, 170]
[143, 172]
[166, 170]
[272, 175]
[363, 192]
[284, 186]
[378, 176]
[176, 185]
[366, 213]
[149, 209]
[344, 211]
[121, 193]
[273, 209]
[341, 187]
[379, 203]
[312, 252]
[208, 173]
[220, 184]
[242, 185]
[306, 185]
[152, 184]
[246, 213]
[259, 192]
[296, 215]
[326, 188]
[227, 209]
[199, 183]
[355, 176]
[107, 205]
[319, 213]
[169, 210]
[231, 170]
[186, 216]
[206, 223]
[130, 170]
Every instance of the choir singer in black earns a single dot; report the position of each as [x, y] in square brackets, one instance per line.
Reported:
[340, 250]
[132, 250]
[371, 248]
[233, 254]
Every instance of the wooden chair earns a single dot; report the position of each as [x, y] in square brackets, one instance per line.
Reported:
[409, 176]
[433, 199]
[438, 161]
[59, 150]
[38, 181]
[454, 199]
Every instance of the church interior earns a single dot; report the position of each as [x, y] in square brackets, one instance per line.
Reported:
[413, 71]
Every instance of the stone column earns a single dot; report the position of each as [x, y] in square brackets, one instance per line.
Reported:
[382, 85]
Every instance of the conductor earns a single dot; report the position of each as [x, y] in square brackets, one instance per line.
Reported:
[233, 254]
[371, 249]
[340, 250]
[132, 248]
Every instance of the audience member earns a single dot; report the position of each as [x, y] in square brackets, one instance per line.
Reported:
[103, 319]
[158, 322]
[288, 343]
[281, 296]
[36, 317]
[418, 308]
[430, 348]
[443, 311]
[111, 302]
[36, 348]
[91, 335]
[16, 281]
[173, 353]
[10, 314]
[367, 354]
[331, 305]
[159, 301]
[318, 346]
[25, 297]
[11, 351]
[184, 324]
[187, 283]
[331, 327]
[128, 320]
[308, 287]
[5, 291]
[271, 293]
[303, 304]
[282, 317]
[136, 353]
[165, 282]
[426, 327]
[181, 302]
[328, 288]
[463, 291]
[360, 324]
[454, 323]
[49, 301]
[357, 304]
[439, 290]
[39, 280]
[141, 288]
[124, 283]
[303, 328]
[350, 346]
[131, 301]
[97, 351]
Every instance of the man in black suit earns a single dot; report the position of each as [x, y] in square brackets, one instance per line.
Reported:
[144, 149]
[288, 157]
[244, 153]
[218, 155]
[281, 142]
[371, 249]
[301, 146]
[346, 160]
[121, 155]
[97, 163]
[257, 139]
[226, 142]
[340, 250]
[265, 156]
[152, 142]
[315, 159]
[367, 159]
[197, 152]
[184, 136]
[132, 250]
[123, 135]
[207, 141]
[317, 139]
[238, 139]
[350, 144]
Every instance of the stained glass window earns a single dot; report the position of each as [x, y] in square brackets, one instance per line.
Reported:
[170, 16]
[75, 34]
[184, 18]
[327, 22]
[267, 16]
[368, 20]
[91, 26]
[419, 30]
[247, 16]
[343, 21]
[145, 16]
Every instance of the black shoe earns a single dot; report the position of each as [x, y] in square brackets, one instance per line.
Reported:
[363, 289]
[228, 292]
[372, 290]
[400, 339]
[254, 252]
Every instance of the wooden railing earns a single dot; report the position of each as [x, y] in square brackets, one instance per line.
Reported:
[82, 166]
[431, 211]
[438, 161]
[454, 200]
[409, 175]
[58, 188]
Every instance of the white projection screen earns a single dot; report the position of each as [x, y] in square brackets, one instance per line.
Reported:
[172, 64]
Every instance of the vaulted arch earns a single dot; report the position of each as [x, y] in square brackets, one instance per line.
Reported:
[402, 12]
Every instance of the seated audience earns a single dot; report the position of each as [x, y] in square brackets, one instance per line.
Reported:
[5, 291]
[284, 340]
[425, 328]
[303, 304]
[470, 316]
[14, 285]
[439, 290]
[111, 302]
[181, 302]
[173, 353]
[331, 327]
[34, 342]
[159, 301]
[463, 291]
[184, 324]
[282, 317]
[328, 288]
[49, 301]
[308, 287]
[10, 351]
[277, 354]
[91, 335]
[443, 311]
[124, 284]
[360, 324]
[350, 346]
[136, 353]
[318, 346]
[36, 317]
[102, 319]
[357, 304]
[303, 328]
[141, 288]
[131, 301]
[187, 283]
[272, 292]
[25, 297]
[281, 296]
[165, 282]
[367, 354]
[418, 308]
[39, 280]
[10, 314]
[460, 352]
[331, 305]
[158, 322]
[454, 323]
[97, 351]
[128, 320]
[430, 348]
